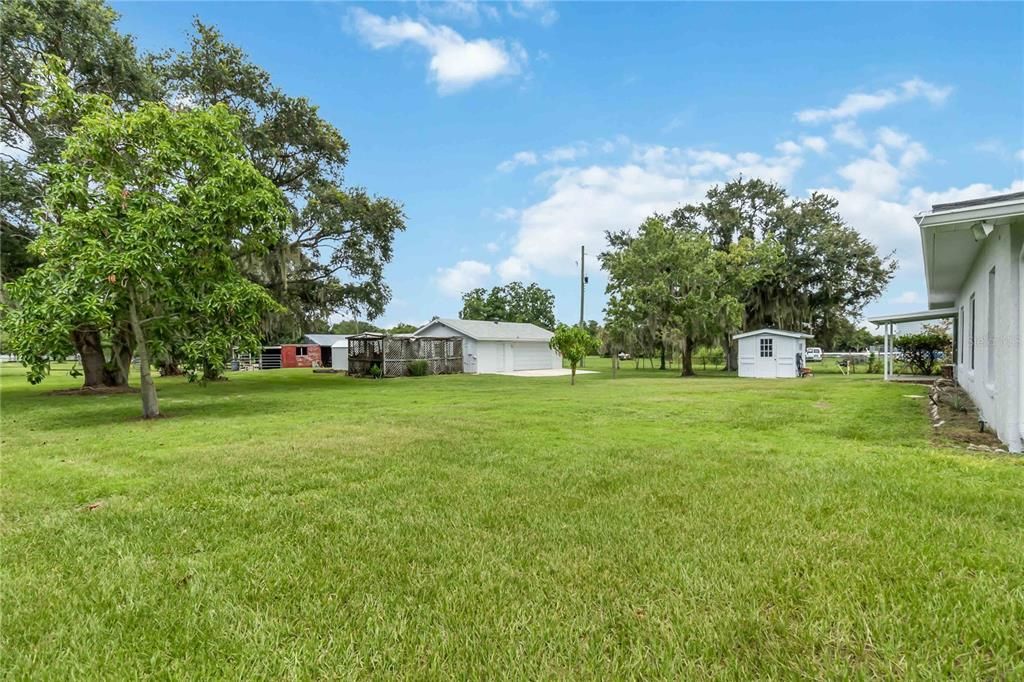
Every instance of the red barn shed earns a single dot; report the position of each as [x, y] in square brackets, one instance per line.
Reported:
[300, 355]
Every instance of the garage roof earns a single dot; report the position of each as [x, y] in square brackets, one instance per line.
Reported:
[774, 332]
[485, 330]
[324, 339]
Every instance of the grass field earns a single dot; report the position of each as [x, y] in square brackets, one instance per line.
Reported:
[291, 525]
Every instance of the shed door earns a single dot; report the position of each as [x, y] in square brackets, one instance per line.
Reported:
[531, 356]
[764, 358]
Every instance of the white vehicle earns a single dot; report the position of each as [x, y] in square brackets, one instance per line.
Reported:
[813, 355]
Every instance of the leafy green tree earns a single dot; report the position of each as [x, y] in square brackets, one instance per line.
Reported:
[95, 58]
[574, 343]
[144, 214]
[677, 284]
[921, 351]
[350, 327]
[827, 271]
[403, 328]
[513, 302]
[339, 239]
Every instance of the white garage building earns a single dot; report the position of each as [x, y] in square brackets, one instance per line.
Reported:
[772, 353]
[490, 347]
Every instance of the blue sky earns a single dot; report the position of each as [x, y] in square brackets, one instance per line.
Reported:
[514, 133]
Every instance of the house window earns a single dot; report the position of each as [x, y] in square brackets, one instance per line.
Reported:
[972, 330]
[960, 339]
[766, 348]
[990, 327]
[301, 350]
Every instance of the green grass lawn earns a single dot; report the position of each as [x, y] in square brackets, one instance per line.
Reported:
[291, 525]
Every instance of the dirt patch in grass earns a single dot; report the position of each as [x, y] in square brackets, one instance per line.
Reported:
[97, 390]
[955, 420]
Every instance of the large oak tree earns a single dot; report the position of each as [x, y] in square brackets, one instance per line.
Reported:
[145, 212]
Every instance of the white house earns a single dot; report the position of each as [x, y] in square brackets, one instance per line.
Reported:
[489, 347]
[974, 272]
[772, 353]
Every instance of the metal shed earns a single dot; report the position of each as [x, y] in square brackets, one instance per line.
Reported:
[771, 353]
[339, 355]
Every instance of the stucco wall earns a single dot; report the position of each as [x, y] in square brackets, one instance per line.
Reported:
[995, 388]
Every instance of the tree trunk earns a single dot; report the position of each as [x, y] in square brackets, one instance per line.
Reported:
[89, 346]
[572, 373]
[150, 406]
[662, 355]
[615, 363]
[728, 357]
[117, 369]
[687, 353]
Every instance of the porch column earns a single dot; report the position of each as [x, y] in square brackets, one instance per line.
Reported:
[885, 351]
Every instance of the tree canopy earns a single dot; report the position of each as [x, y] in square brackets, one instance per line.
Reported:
[674, 283]
[513, 302]
[332, 256]
[141, 223]
[574, 343]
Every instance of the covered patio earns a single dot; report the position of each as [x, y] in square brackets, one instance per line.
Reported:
[890, 323]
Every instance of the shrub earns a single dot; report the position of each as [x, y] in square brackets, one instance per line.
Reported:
[920, 351]
[419, 368]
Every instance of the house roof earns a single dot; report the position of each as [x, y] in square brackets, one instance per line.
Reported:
[343, 343]
[324, 339]
[484, 330]
[773, 332]
[952, 235]
[921, 316]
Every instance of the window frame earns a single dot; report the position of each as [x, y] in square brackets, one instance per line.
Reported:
[974, 317]
[766, 347]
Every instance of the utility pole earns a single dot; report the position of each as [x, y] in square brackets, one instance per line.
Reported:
[583, 281]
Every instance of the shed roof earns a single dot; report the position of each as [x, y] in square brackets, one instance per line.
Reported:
[774, 332]
[324, 339]
[484, 330]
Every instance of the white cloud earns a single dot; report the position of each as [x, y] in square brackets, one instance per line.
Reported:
[468, 11]
[491, 247]
[538, 10]
[892, 138]
[569, 152]
[512, 269]
[583, 202]
[518, 159]
[908, 297]
[1020, 154]
[463, 276]
[858, 103]
[815, 144]
[788, 147]
[455, 63]
[849, 133]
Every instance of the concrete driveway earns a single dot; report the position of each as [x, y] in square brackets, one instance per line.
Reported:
[545, 372]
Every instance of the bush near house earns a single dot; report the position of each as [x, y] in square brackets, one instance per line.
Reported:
[921, 351]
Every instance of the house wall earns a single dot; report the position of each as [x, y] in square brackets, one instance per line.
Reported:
[489, 356]
[994, 382]
[290, 358]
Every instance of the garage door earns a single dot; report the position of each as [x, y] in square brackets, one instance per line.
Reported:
[531, 356]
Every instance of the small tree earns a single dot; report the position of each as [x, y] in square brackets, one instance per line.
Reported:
[139, 228]
[920, 351]
[574, 343]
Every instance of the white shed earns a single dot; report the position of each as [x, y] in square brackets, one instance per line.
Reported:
[772, 353]
[492, 347]
[339, 355]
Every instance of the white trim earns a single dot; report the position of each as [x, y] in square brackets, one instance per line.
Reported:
[775, 332]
